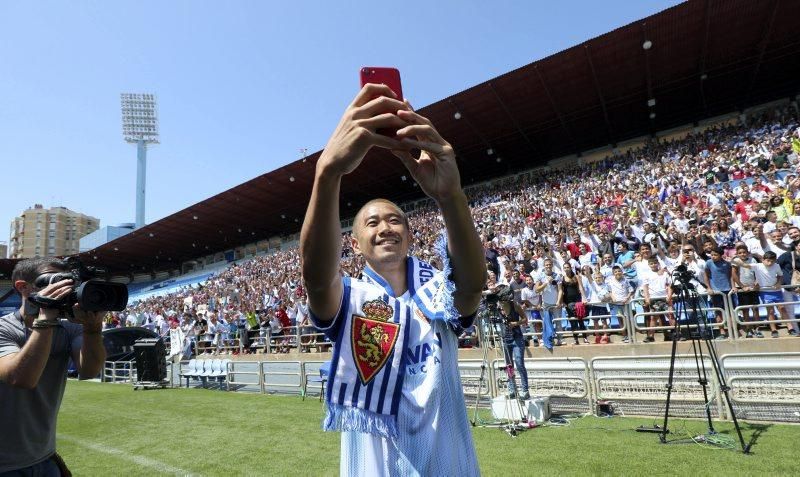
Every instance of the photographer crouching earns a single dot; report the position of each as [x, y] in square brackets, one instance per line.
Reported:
[504, 314]
[36, 344]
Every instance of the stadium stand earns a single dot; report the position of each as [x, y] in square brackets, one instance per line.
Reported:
[728, 185]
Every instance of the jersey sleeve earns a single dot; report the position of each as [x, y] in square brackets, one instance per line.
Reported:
[331, 329]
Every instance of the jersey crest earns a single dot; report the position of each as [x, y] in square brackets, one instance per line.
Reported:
[373, 338]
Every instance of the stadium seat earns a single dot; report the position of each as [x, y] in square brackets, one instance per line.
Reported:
[191, 371]
[208, 369]
[324, 371]
[223, 373]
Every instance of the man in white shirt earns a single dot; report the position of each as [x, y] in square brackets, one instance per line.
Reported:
[548, 284]
[621, 294]
[744, 281]
[532, 303]
[768, 278]
[657, 293]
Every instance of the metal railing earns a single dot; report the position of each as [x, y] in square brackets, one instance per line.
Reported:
[119, 371]
[273, 376]
[762, 317]
[686, 321]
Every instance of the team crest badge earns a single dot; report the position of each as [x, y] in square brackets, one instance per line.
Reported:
[373, 338]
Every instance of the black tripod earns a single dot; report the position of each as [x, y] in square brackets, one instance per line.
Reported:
[698, 330]
[494, 322]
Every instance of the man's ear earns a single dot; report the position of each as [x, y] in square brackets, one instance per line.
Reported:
[21, 286]
[354, 245]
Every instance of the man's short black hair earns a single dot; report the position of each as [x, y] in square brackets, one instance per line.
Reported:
[27, 270]
[770, 255]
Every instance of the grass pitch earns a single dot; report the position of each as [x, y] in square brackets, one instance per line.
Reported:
[106, 429]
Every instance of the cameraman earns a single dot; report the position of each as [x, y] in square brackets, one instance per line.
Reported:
[35, 349]
[512, 318]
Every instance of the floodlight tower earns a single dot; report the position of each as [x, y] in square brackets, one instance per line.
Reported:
[140, 127]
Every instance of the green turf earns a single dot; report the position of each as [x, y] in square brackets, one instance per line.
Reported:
[107, 429]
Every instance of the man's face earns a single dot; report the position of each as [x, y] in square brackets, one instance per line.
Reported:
[768, 261]
[653, 265]
[548, 266]
[608, 259]
[742, 254]
[776, 235]
[618, 274]
[716, 256]
[794, 234]
[529, 281]
[381, 234]
[645, 251]
[515, 276]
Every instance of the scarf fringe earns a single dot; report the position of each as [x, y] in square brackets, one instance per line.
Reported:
[451, 314]
[343, 418]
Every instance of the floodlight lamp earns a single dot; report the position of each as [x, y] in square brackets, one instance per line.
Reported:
[647, 44]
[139, 118]
[651, 102]
[652, 115]
[457, 115]
[489, 151]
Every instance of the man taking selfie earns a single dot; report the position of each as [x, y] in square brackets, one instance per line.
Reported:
[395, 391]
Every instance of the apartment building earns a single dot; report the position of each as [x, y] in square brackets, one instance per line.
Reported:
[41, 232]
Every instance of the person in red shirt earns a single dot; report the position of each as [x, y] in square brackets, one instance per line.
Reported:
[744, 209]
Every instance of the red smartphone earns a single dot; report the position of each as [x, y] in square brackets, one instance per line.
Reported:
[382, 75]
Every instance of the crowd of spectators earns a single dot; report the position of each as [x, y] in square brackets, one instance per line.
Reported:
[572, 244]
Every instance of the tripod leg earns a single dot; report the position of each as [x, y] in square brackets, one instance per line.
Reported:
[676, 334]
[725, 389]
[484, 361]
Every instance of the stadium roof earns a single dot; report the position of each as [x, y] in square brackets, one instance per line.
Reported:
[705, 58]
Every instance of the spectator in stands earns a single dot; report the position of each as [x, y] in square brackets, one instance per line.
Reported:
[621, 294]
[718, 283]
[532, 303]
[403, 440]
[769, 278]
[789, 262]
[572, 286]
[548, 285]
[35, 348]
[657, 294]
[597, 298]
[744, 279]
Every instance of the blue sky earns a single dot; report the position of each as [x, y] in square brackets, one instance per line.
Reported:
[242, 85]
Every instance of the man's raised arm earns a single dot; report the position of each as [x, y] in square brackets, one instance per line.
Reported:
[320, 238]
[437, 173]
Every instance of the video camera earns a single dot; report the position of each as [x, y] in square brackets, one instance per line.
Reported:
[503, 294]
[682, 278]
[90, 292]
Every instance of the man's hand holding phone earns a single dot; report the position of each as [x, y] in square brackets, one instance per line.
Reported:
[375, 107]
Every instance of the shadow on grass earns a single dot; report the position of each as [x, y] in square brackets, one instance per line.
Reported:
[756, 429]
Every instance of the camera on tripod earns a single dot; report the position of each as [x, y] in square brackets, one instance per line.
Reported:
[89, 291]
[501, 294]
[682, 278]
